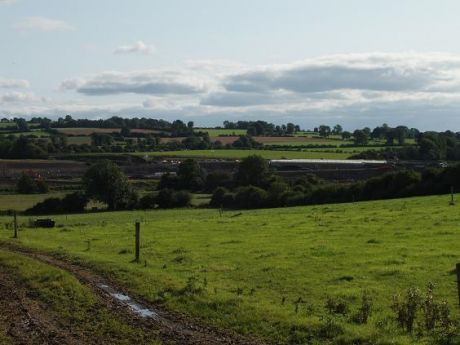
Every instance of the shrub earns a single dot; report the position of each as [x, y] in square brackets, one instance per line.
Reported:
[168, 198]
[365, 310]
[406, 309]
[71, 203]
[218, 197]
[27, 185]
[250, 197]
[336, 306]
[228, 200]
[148, 201]
[218, 179]
[42, 186]
[182, 198]
[74, 203]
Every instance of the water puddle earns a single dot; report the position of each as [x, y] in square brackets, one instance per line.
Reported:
[132, 305]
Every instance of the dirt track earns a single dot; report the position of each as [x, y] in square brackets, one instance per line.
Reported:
[29, 323]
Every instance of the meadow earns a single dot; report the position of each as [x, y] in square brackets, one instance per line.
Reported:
[215, 132]
[238, 154]
[269, 272]
[24, 201]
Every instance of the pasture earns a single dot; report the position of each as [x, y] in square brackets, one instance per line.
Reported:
[238, 154]
[89, 131]
[269, 272]
[215, 132]
[22, 202]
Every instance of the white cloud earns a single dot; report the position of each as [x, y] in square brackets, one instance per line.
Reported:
[419, 90]
[14, 83]
[379, 72]
[149, 82]
[138, 47]
[16, 97]
[43, 24]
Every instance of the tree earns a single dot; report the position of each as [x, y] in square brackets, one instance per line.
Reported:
[290, 128]
[26, 185]
[104, 181]
[253, 170]
[22, 125]
[337, 130]
[250, 197]
[245, 141]
[360, 137]
[190, 124]
[346, 135]
[191, 176]
[99, 139]
[324, 131]
[401, 134]
[168, 198]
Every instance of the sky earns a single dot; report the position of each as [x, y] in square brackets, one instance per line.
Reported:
[356, 62]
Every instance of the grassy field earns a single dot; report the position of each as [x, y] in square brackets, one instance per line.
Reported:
[89, 131]
[215, 132]
[238, 154]
[24, 201]
[247, 270]
[73, 304]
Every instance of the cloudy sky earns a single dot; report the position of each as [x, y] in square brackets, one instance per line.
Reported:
[356, 62]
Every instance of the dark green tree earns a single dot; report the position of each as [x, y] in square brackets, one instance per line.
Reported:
[253, 170]
[104, 181]
[324, 131]
[191, 176]
[360, 137]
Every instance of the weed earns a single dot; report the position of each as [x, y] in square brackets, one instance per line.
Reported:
[336, 306]
[365, 309]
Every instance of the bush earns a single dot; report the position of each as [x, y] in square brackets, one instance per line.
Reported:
[27, 185]
[42, 187]
[218, 179]
[250, 197]
[74, 203]
[218, 197]
[148, 201]
[168, 198]
[182, 198]
[71, 203]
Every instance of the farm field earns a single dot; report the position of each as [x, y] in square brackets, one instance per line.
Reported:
[21, 202]
[269, 272]
[238, 154]
[89, 131]
[215, 132]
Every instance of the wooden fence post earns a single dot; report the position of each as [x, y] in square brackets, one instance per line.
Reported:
[458, 282]
[138, 240]
[15, 225]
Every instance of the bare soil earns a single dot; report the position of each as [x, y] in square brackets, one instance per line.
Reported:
[30, 323]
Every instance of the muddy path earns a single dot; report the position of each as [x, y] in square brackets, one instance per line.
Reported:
[25, 320]
[169, 327]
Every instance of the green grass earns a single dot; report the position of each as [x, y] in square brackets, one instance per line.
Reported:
[235, 271]
[238, 154]
[21, 202]
[215, 132]
[79, 140]
[72, 303]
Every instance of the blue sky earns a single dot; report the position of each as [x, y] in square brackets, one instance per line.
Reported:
[355, 62]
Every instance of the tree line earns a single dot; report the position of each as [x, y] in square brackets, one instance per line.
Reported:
[254, 185]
